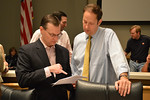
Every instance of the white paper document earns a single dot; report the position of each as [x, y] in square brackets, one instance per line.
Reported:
[68, 80]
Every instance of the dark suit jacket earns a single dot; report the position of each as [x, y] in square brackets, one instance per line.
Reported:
[32, 59]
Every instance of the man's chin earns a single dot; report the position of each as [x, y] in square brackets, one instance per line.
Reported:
[87, 32]
[54, 43]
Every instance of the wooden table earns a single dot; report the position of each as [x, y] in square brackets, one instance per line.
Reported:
[10, 80]
[144, 77]
[9, 77]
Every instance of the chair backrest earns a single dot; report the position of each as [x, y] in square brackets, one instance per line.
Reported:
[135, 94]
[13, 94]
[6, 92]
[22, 95]
[93, 91]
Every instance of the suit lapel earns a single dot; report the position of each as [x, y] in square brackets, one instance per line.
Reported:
[41, 52]
[61, 60]
[58, 52]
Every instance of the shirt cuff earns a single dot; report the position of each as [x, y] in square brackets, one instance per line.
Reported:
[47, 72]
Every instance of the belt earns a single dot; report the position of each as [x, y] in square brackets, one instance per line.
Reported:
[138, 61]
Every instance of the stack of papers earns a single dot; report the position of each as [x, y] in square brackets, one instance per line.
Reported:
[68, 80]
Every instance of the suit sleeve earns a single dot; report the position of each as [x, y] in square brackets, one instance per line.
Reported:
[27, 75]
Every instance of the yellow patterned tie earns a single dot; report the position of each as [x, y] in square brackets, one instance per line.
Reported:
[87, 60]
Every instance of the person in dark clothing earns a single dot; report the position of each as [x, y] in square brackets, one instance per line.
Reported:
[139, 46]
[12, 58]
[42, 63]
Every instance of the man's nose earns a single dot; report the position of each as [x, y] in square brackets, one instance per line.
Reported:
[87, 26]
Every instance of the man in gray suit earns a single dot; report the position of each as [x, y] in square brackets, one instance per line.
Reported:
[44, 62]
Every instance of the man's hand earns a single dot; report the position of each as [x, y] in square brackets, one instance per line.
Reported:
[57, 69]
[123, 86]
[6, 67]
[148, 58]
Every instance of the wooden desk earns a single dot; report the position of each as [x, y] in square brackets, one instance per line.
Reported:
[14, 86]
[9, 77]
[144, 77]
[10, 80]
[146, 92]
[10, 73]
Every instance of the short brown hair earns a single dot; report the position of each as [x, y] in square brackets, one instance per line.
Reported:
[95, 9]
[50, 18]
[138, 28]
[59, 14]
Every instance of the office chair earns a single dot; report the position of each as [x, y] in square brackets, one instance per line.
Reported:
[13, 94]
[94, 91]
[6, 92]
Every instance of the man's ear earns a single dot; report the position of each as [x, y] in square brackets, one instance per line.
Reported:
[41, 28]
[139, 33]
[99, 22]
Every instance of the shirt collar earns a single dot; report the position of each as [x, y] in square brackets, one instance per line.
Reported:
[93, 36]
[45, 46]
[97, 32]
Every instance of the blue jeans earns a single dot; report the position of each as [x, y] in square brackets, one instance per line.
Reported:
[135, 67]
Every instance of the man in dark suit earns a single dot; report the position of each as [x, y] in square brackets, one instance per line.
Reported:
[44, 62]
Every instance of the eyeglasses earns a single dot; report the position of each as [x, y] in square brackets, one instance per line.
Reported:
[54, 35]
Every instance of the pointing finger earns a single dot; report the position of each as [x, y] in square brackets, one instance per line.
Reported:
[62, 71]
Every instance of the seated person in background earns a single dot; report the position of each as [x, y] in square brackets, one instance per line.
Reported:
[139, 46]
[146, 67]
[12, 58]
[3, 63]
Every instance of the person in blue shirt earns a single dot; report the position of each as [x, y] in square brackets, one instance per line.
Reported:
[108, 64]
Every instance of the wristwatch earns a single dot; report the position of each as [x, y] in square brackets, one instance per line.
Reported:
[123, 76]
